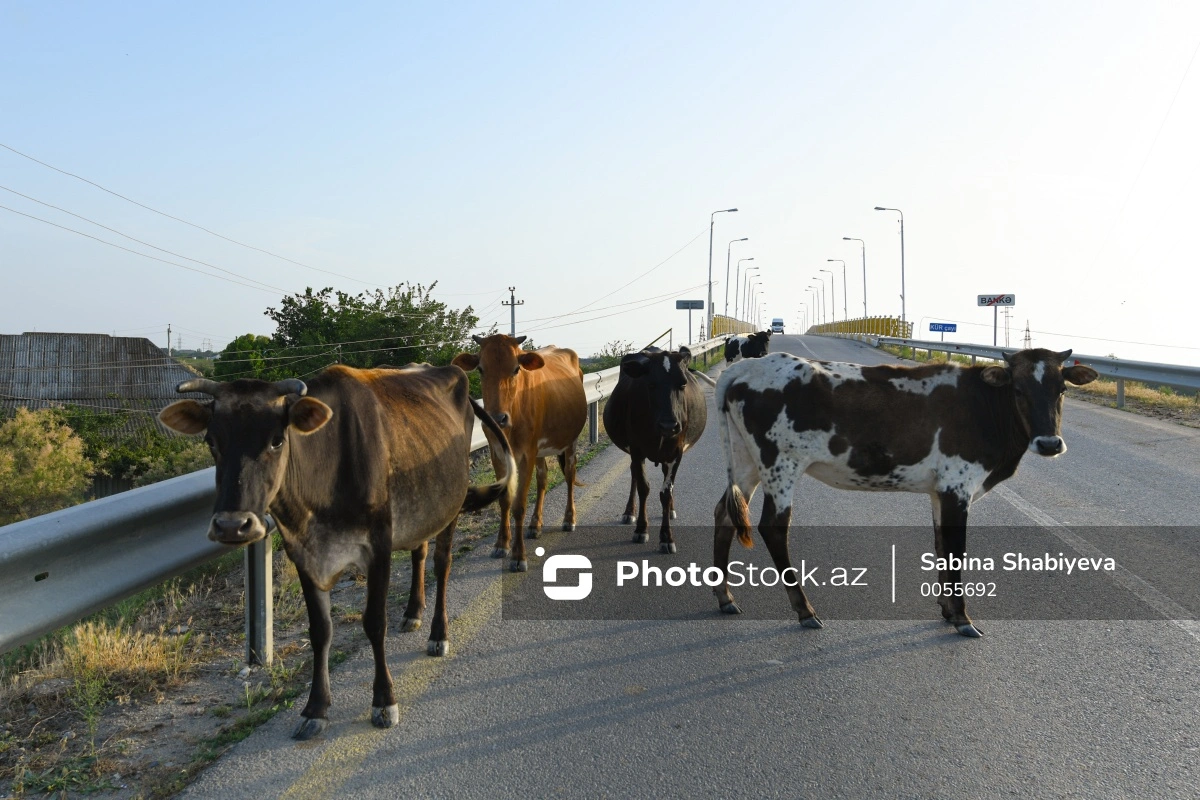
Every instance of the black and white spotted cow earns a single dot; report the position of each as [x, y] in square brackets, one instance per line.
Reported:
[753, 345]
[947, 431]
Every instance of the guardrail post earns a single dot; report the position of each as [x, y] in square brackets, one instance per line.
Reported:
[260, 614]
[593, 422]
[1120, 392]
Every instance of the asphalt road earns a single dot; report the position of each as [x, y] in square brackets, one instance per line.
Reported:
[757, 706]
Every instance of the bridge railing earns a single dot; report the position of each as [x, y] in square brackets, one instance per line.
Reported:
[1176, 376]
[58, 568]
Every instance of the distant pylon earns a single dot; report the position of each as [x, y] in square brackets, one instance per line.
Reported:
[1028, 339]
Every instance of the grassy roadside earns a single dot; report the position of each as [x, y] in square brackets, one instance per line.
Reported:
[136, 700]
[1160, 402]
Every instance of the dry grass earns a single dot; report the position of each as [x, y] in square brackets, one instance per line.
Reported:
[1160, 402]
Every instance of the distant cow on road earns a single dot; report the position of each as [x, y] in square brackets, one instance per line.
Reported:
[537, 397]
[352, 465]
[943, 430]
[656, 412]
[753, 345]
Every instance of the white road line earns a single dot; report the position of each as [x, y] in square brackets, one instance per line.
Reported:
[1176, 614]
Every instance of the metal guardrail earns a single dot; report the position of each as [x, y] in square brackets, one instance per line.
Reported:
[1118, 369]
[60, 567]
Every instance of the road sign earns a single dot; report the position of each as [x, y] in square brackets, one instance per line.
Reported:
[997, 300]
[688, 305]
[944, 327]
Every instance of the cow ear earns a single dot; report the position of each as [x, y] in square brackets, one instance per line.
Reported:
[1079, 374]
[531, 360]
[634, 365]
[308, 414]
[186, 416]
[466, 361]
[996, 376]
[685, 358]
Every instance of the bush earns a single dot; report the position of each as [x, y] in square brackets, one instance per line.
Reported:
[42, 465]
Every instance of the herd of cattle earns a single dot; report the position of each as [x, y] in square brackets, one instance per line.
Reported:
[355, 464]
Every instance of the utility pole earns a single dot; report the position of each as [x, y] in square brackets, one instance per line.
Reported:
[1028, 344]
[512, 303]
[168, 340]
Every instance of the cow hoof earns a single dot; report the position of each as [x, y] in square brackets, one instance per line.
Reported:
[411, 624]
[730, 608]
[641, 538]
[519, 566]
[437, 648]
[628, 519]
[500, 552]
[666, 547]
[568, 526]
[386, 717]
[812, 622]
[309, 728]
[673, 514]
[533, 533]
[968, 630]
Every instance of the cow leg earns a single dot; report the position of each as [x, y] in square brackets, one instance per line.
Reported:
[384, 711]
[525, 467]
[535, 520]
[568, 461]
[503, 537]
[637, 468]
[315, 716]
[627, 518]
[666, 543]
[416, 593]
[773, 527]
[950, 539]
[439, 641]
[722, 540]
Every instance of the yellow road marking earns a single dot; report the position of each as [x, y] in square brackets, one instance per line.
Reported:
[344, 755]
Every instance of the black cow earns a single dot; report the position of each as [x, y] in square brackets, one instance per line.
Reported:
[943, 430]
[752, 346]
[353, 465]
[656, 412]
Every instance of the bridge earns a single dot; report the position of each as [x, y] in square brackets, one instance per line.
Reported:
[677, 700]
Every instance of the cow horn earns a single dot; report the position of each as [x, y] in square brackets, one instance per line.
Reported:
[1008, 358]
[291, 386]
[520, 339]
[1064, 355]
[200, 385]
[477, 338]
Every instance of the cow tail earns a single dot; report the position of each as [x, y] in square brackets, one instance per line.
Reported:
[562, 465]
[736, 506]
[481, 496]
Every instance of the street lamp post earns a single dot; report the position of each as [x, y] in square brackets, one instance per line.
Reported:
[864, 260]
[817, 304]
[737, 283]
[744, 310]
[728, 250]
[845, 311]
[751, 288]
[902, 298]
[832, 292]
[824, 312]
[712, 218]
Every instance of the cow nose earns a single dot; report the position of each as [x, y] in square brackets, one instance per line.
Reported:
[669, 428]
[1049, 446]
[502, 420]
[236, 527]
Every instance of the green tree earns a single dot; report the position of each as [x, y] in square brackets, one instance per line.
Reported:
[244, 357]
[42, 465]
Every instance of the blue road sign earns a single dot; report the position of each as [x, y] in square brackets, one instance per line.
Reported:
[944, 327]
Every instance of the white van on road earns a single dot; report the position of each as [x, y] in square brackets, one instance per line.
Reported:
[777, 325]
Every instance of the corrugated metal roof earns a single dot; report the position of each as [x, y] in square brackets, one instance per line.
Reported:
[109, 373]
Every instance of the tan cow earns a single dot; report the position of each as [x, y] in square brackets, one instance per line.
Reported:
[537, 397]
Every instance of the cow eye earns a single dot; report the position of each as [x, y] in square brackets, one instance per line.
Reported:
[516, 369]
[277, 442]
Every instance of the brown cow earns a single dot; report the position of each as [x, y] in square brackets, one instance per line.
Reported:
[537, 397]
[352, 465]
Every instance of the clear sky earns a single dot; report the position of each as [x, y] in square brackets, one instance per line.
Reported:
[1046, 149]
